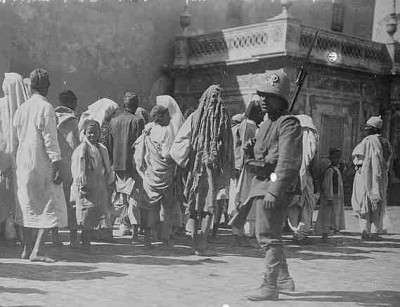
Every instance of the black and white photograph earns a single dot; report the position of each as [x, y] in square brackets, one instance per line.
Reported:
[202, 153]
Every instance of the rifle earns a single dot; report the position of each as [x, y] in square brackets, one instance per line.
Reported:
[301, 76]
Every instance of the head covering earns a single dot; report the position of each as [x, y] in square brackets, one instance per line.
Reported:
[306, 121]
[174, 112]
[211, 125]
[101, 110]
[13, 88]
[375, 122]
[67, 98]
[143, 114]
[131, 101]
[157, 112]
[15, 95]
[40, 81]
[276, 83]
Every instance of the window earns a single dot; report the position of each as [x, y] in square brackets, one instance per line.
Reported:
[337, 16]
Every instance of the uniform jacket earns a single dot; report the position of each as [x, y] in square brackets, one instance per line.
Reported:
[280, 144]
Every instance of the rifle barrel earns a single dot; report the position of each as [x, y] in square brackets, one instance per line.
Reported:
[294, 98]
[303, 70]
[312, 45]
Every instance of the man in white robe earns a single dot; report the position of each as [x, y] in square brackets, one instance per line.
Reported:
[371, 158]
[41, 202]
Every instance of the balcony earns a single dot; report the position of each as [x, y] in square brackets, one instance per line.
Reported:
[281, 36]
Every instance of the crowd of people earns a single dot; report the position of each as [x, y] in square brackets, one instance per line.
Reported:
[166, 173]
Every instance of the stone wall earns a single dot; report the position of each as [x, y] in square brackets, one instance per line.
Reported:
[97, 50]
[106, 48]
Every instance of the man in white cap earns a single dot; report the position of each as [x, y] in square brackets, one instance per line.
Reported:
[278, 156]
[371, 158]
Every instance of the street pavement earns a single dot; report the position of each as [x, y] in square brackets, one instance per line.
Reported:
[345, 272]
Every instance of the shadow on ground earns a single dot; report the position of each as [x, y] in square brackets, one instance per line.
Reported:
[341, 247]
[53, 272]
[21, 290]
[375, 298]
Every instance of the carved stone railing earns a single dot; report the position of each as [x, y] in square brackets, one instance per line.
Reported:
[241, 44]
[280, 37]
[352, 52]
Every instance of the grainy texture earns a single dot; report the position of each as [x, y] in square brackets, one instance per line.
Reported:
[345, 273]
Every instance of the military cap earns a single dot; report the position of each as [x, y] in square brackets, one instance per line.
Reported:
[276, 83]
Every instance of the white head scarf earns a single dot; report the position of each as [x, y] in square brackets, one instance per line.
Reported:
[175, 113]
[14, 96]
[101, 110]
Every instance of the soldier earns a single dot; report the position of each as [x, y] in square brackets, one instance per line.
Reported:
[278, 155]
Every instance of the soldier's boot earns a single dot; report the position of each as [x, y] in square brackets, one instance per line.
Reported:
[285, 282]
[268, 291]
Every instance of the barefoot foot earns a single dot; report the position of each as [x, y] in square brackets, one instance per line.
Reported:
[25, 253]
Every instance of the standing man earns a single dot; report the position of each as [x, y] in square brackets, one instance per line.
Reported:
[68, 139]
[369, 199]
[124, 130]
[41, 201]
[278, 156]
[204, 147]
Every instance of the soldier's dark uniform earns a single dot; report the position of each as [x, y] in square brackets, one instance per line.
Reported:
[279, 144]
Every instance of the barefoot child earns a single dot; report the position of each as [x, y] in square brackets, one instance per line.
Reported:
[92, 180]
[331, 213]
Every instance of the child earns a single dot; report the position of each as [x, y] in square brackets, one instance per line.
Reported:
[331, 212]
[92, 181]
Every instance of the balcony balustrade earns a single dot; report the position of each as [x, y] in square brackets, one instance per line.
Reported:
[281, 37]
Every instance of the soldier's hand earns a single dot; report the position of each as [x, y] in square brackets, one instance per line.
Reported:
[270, 201]
[248, 148]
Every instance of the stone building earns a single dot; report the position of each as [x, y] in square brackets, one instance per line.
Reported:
[103, 48]
[350, 78]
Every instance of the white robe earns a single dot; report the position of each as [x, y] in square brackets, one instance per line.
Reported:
[372, 177]
[41, 202]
